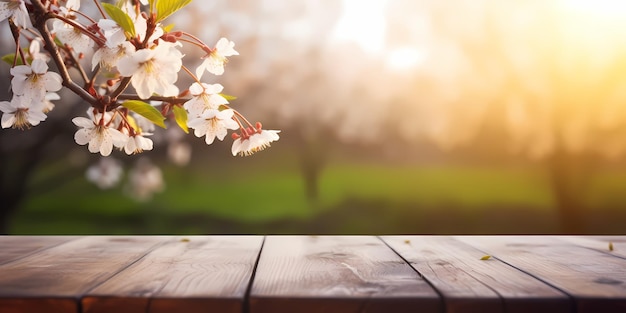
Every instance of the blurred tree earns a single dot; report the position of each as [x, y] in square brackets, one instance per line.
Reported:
[549, 75]
[283, 71]
[23, 153]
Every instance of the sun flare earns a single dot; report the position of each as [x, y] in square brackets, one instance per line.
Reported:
[603, 8]
[362, 22]
[404, 58]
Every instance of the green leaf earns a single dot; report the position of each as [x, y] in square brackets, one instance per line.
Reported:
[133, 123]
[9, 59]
[228, 97]
[180, 114]
[145, 110]
[168, 28]
[121, 18]
[166, 8]
[486, 257]
[58, 42]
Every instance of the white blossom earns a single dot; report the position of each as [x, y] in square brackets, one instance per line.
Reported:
[69, 8]
[256, 142]
[213, 124]
[47, 103]
[72, 36]
[21, 113]
[115, 46]
[113, 33]
[34, 50]
[33, 81]
[106, 173]
[145, 179]
[107, 57]
[68, 34]
[205, 97]
[141, 23]
[215, 60]
[15, 9]
[179, 152]
[97, 133]
[138, 143]
[153, 70]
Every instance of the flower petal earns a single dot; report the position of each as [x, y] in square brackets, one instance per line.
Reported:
[82, 137]
[8, 119]
[39, 66]
[53, 81]
[6, 107]
[236, 148]
[107, 146]
[118, 138]
[83, 122]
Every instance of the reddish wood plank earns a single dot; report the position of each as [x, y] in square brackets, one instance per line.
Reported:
[196, 274]
[469, 284]
[336, 274]
[594, 279]
[16, 247]
[52, 280]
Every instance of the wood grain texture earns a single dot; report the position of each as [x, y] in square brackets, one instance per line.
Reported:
[15, 247]
[336, 274]
[195, 274]
[312, 274]
[52, 280]
[469, 284]
[600, 243]
[596, 280]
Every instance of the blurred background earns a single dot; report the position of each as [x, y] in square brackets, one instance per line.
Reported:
[397, 117]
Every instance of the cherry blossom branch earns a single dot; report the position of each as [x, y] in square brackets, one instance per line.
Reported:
[124, 83]
[41, 25]
[80, 27]
[173, 100]
[192, 75]
[150, 61]
[94, 74]
[85, 16]
[239, 115]
[16, 36]
[97, 3]
[195, 40]
[77, 65]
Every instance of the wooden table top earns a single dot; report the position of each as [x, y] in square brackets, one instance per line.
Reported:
[312, 274]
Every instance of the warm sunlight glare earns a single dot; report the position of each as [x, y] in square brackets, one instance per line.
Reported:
[606, 8]
[362, 22]
[404, 58]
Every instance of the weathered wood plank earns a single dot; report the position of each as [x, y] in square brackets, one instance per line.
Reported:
[469, 284]
[615, 245]
[52, 280]
[596, 280]
[336, 274]
[15, 247]
[195, 274]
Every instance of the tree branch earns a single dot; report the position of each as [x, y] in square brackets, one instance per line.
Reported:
[154, 98]
[40, 23]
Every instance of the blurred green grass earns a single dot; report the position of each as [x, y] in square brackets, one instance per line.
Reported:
[268, 197]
